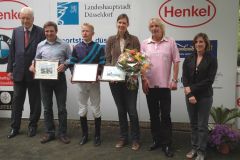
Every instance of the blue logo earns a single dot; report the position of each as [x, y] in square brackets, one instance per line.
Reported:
[68, 13]
[185, 48]
[4, 48]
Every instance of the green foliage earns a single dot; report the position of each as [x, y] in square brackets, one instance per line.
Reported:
[222, 115]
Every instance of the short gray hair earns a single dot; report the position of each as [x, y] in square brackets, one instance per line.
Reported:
[27, 10]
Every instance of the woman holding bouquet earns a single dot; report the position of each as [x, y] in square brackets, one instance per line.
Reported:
[124, 97]
[199, 70]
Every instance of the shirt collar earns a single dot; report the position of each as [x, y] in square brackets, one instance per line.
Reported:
[150, 40]
[30, 29]
[56, 41]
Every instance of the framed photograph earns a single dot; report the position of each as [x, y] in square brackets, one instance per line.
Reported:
[85, 73]
[112, 73]
[46, 69]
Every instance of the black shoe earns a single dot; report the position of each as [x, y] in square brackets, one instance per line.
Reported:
[154, 146]
[97, 141]
[168, 151]
[84, 140]
[13, 133]
[47, 138]
[32, 131]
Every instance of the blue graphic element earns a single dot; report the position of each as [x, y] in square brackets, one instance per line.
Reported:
[4, 53]
[4, 50]
[186, 48]
[68, 13]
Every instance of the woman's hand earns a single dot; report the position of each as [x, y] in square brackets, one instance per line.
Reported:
[187, 90]
[192, 100]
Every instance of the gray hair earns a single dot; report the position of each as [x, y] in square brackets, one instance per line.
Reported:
[27, 10]
[159, 23]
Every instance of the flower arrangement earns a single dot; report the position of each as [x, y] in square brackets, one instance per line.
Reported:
[133, 63]
[223, 134]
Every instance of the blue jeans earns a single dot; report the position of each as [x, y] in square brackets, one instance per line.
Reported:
[59, 87]
[125, 100]
[199, 115]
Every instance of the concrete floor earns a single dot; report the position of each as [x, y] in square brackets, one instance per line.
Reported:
[24, 148]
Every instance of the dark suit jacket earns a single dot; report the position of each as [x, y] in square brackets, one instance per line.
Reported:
[20, 58]
[200, 81]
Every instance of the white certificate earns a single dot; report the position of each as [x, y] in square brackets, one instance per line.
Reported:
[112, 73]
[85, 73]
[46, 69]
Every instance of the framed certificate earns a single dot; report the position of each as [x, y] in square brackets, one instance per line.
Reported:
[85, 73]
[46, 69]
[112, 73]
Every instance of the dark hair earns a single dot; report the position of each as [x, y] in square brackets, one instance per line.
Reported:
[51, 23]
[123, 15]
[205, 38]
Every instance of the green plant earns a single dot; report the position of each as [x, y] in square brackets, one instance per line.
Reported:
[222, 115]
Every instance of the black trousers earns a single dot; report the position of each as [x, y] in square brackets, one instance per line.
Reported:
[19, 96]
[159, 106]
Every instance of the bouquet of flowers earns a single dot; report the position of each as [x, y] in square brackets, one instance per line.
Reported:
[133, 63]
[222, 134]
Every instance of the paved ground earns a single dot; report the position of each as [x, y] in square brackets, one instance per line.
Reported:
[25, 148]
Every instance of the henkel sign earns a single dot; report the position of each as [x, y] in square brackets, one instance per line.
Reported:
[10, 13]
[188, 13]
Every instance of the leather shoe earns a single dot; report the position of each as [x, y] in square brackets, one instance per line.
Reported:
[136, 146]
[32, 131]
[168, 151]
[46, 138]
[65, 139]
[97, 141]
[83, 140]
[13, 133]
[154, 146]
[121, 143]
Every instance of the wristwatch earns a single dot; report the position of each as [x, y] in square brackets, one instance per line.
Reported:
[175, 80]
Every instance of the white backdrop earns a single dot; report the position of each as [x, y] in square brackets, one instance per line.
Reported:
[217, 18]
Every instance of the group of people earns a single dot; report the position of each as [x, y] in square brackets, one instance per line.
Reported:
[30, 42]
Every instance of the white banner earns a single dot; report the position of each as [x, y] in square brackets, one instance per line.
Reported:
[183, 20]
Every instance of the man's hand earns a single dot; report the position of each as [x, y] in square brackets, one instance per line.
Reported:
[61, 68]
[145, 86]
[173, 86]
[32, 68]
[10, 75]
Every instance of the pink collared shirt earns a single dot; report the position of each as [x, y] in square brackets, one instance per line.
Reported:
[162, 55]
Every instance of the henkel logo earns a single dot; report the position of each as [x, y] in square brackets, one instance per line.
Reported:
[10, 13]
[187, 13]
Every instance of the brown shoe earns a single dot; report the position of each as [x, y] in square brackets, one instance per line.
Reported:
[65, 139]
[46, 138]
[135, 146]
[121, 143]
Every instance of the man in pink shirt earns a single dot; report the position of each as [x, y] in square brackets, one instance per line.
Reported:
[157, 83]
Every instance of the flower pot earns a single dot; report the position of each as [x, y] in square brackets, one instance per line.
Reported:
[224, 148]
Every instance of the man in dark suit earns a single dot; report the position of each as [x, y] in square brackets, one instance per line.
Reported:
[22, 52]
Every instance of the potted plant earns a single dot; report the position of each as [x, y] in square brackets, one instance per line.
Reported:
[222, 115]
[222, 136]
